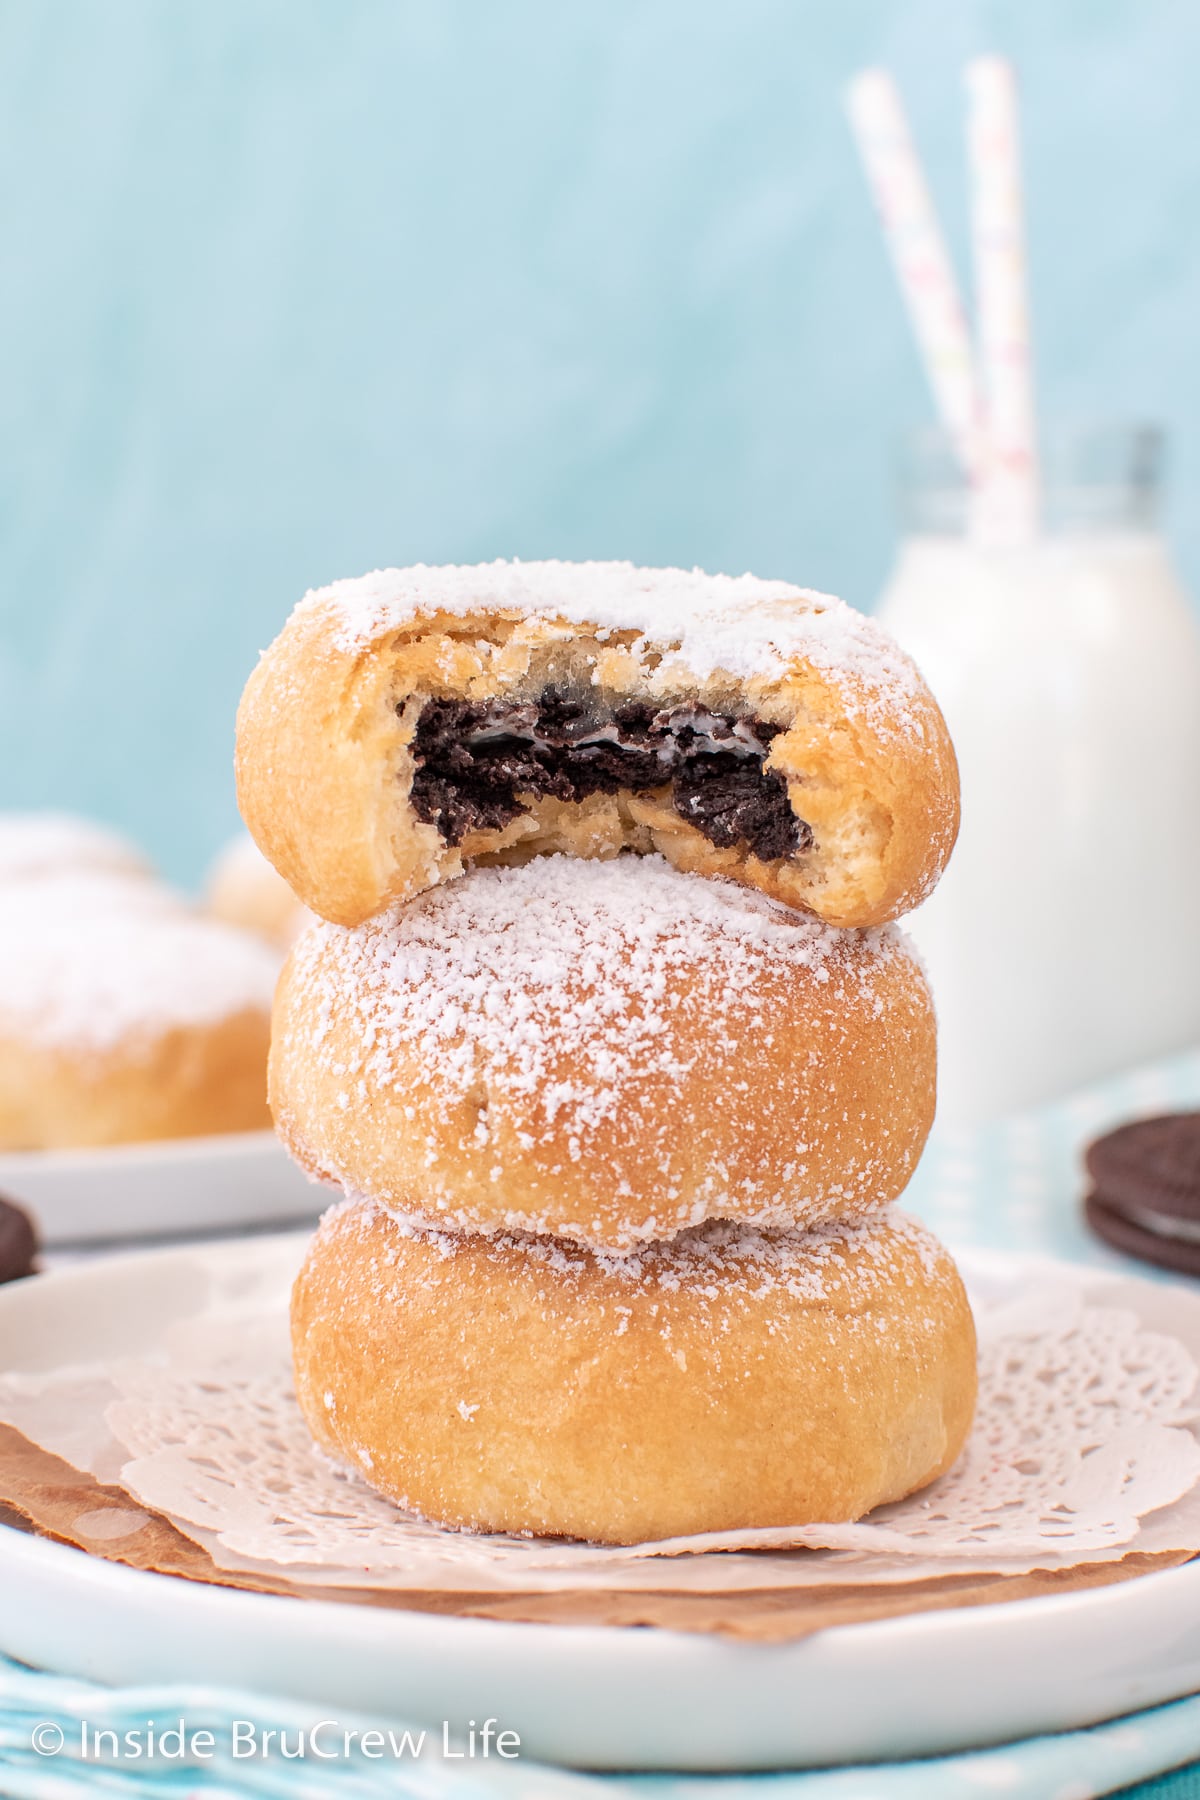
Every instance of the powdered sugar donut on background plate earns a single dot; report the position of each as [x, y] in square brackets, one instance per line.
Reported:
[115, 977]
[124, 1017]
[40, 844]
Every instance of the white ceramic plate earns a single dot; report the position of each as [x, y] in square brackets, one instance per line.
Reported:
[600, 1698]
[179, 1187]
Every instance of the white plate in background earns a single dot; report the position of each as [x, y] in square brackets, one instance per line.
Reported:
[610, 1697]
[173, 1188]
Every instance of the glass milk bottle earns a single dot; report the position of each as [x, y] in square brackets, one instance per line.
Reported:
[1064, 940]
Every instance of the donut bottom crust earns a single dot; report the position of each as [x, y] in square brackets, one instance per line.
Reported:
[519, 1386]
[191, 1081]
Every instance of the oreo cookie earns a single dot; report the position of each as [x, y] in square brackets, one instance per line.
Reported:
[1146, 1194]
[18, 1242]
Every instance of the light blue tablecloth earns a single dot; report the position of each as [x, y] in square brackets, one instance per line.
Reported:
[1017, 1184]
[1072, 1766]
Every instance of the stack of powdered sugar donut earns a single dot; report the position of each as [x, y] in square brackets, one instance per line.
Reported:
[611, 1046]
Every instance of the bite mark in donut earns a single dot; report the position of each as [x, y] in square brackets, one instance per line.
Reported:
[414, 723]
[475, 759]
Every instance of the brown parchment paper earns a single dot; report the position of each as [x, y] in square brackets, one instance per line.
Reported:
[45, 1495]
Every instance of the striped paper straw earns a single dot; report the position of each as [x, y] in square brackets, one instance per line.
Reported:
[1006, 506]
[919, 252]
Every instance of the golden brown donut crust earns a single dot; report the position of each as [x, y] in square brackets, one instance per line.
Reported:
[190, 1081]
[727, 1382]
[607, 1053]
[325, 769]
[126, 1017]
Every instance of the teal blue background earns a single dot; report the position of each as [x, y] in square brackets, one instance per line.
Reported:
[293, 288]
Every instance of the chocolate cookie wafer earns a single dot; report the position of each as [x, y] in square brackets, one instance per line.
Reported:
[1146, 1190]
[18, 1242]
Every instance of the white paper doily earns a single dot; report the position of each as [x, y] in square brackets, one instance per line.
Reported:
[1086, 1425]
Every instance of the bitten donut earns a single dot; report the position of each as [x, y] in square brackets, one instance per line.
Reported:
[243, 889]
[728, 1380]
[124, 1017]
[606, 1052]
[408, 723]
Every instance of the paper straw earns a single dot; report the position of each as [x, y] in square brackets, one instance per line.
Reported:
[918, 248]
[1006, 507]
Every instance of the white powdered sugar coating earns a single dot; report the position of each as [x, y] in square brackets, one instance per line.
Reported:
[83, 894]
[566, 975]
[740, 626]
[48, 843]
[738, 1265]
[95, 969]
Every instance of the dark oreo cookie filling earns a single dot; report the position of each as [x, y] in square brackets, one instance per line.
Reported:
[474, 758]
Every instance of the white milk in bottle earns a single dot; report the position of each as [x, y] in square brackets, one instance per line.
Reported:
[1064, 939]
